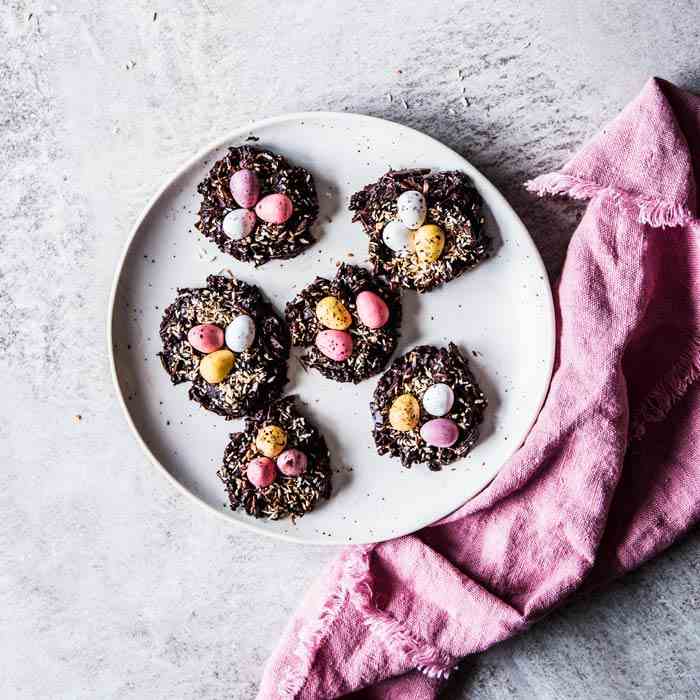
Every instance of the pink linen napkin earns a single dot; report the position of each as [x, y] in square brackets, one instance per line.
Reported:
[609, 475]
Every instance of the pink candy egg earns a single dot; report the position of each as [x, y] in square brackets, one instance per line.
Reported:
[440, 432]
[372, 310]
[261, 472]
[275, 208]
[292, 462]
[206, 338]
[245, 188]
[337, 345]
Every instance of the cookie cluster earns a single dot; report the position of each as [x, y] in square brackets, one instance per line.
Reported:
[424, 229]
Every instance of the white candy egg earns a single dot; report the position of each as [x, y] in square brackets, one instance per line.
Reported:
[238, 224]
[397, 236]
[438, 399]
[240, 333]
[412, 208]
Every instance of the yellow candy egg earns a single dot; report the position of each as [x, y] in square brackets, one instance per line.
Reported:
[271, 440]
[404, 413]
[429, 242]
[331, 312]
[216, 365]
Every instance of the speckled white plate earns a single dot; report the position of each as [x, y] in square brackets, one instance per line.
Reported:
[502, 310]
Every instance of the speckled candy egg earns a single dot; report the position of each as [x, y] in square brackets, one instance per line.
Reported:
[336, 345]
[275, 208]
[245, 188]
[206, 338]
[240, 333]
[429, 243]
[397, 236]
[372, 309]
[440, 432]
[261, 472]
[331, 312]
[215, 367]
[271, 440]
[412, 209]
[238, 224]
[438, 399]
[404, 413]
[292, 462]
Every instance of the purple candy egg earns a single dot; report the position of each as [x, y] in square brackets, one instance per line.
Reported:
[245, 188]
[440, 432]
[292, 462]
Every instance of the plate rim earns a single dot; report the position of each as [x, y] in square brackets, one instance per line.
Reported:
[121, 262]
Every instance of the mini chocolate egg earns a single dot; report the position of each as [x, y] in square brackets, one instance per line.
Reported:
[206, 338]
[292, 462]
[412, 209]
[336, 345]
[372, 309]
[216, 366]
[240, 333]
[245, 188]
[440, 432]
[404, 413]
[261, 472]
[438, 399]
[238, 224]
[275, 208]
[331, 312]
[271, 440]
[429, 243]
[397, 236]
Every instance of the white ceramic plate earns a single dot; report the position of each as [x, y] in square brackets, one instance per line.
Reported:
[502, 310]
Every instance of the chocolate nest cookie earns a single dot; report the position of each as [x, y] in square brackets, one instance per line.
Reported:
[256, 206]
[427, 407]
[278, 466]
[228, 341]
[350, 325]
[424, 228]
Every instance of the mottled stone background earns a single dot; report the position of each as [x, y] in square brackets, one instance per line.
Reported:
[112, 585]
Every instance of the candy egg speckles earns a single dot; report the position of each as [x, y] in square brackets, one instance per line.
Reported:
[412, 209]
[404, 413]
[438, 399]
[397, 236]
[292, 462]
[215, 367]
[270, 440]
[429, 243]
[240, 333]
[336, 345]
[372, 310]
[440, 432]
[245, 188]
[238, 224]
[331, 312]
[275, 208]
[261, 472]
[206, 338]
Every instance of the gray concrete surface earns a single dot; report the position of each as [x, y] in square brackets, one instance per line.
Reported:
[111, 584]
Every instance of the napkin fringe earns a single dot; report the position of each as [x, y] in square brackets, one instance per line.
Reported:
[311, 637]
[649, 210]
[353, 579]
[669, 391]
[416, 652]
